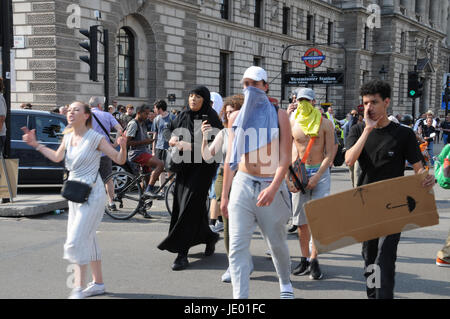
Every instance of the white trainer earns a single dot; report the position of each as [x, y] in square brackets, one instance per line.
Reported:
[94, 289]
[77, 293]
[218, 227]
[226, 277]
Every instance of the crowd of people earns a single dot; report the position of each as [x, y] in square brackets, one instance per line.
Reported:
[237, 150]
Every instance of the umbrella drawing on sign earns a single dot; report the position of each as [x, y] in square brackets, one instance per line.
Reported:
[411, 203]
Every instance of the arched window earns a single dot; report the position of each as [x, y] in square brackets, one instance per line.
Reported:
[125, 62]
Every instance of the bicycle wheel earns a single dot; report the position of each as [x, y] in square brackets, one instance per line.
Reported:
[127, 195]
[169, 196]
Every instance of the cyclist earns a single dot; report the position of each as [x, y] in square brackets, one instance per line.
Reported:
[138, 142]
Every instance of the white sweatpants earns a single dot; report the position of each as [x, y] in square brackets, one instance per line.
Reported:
[243, 217]
[81, 245]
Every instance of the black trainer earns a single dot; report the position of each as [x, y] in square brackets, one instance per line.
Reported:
[314, 269]
[302, 268]
[151, 194]
[180, 263]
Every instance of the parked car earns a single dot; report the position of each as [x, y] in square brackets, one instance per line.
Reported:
[34, 168]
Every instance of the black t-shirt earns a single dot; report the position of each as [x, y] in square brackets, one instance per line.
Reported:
[427, 131]
[445, 125]
[385, 152]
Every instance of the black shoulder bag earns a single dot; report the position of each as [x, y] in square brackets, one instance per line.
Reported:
[76, 191]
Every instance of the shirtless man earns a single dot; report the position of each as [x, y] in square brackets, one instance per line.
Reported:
[317, 165]
[259, 194]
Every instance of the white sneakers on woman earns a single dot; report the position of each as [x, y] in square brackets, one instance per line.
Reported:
[92, 289]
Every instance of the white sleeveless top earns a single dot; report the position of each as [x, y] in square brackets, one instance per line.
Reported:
[83, 160]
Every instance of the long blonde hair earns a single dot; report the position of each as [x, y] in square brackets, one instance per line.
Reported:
[87, 110]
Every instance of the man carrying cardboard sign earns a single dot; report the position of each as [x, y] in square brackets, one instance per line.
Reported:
[381, 148]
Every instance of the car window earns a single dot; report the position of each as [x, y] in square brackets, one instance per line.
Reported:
[17, 122]
[49, 129]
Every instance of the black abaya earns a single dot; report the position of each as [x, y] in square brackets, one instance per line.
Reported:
[189, 222]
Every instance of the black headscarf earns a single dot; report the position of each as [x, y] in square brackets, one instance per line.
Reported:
[187, 117]
[206, 95]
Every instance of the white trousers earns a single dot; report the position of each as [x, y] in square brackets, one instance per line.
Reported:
[81, 245]
[244, 215]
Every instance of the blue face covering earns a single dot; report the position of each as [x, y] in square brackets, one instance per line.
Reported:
[255, 126]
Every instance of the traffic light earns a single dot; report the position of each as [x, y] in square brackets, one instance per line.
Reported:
[91, 47]
[415, 85]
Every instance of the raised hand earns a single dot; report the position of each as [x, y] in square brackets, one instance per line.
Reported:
[370, 123]
[29, 137]
[122, 140]
[205, 129]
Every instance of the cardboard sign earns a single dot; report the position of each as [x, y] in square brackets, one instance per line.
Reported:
[371, 211]
[12, 165]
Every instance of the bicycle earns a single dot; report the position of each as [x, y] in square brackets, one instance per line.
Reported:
[129, 194]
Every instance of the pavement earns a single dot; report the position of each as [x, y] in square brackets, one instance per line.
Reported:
[31, 264]
[32, 202]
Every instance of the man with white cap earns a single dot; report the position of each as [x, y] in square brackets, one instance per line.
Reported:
[259, 147]
[308, 125]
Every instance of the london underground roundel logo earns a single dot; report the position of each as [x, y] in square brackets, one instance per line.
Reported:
[313, 58]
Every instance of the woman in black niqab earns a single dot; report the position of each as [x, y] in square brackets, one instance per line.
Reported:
[189, 222]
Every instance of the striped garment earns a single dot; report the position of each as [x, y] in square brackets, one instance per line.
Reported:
[83, 162]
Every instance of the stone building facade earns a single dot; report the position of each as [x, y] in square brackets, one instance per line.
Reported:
[167, 47]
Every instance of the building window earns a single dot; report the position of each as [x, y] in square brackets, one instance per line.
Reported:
[365, 77]
[330, 35]
[366, 38]
[125, 63]
[403, 43]
[258, 61]
[286, 20]
[285, 68]
[258, 13]
[224, 73]
[401, 89]
[224, 9]
[310, 28]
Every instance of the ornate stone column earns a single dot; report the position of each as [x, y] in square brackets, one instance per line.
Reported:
[391, 6]
[411, 5]
[435, 13]
[422, 8]
[444, 15]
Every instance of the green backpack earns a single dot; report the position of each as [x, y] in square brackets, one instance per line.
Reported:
[439, 174]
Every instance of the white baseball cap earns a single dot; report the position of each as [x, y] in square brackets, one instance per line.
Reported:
[305, 93]
[255, 73]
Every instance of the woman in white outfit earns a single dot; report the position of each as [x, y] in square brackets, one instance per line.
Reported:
[82, 148]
